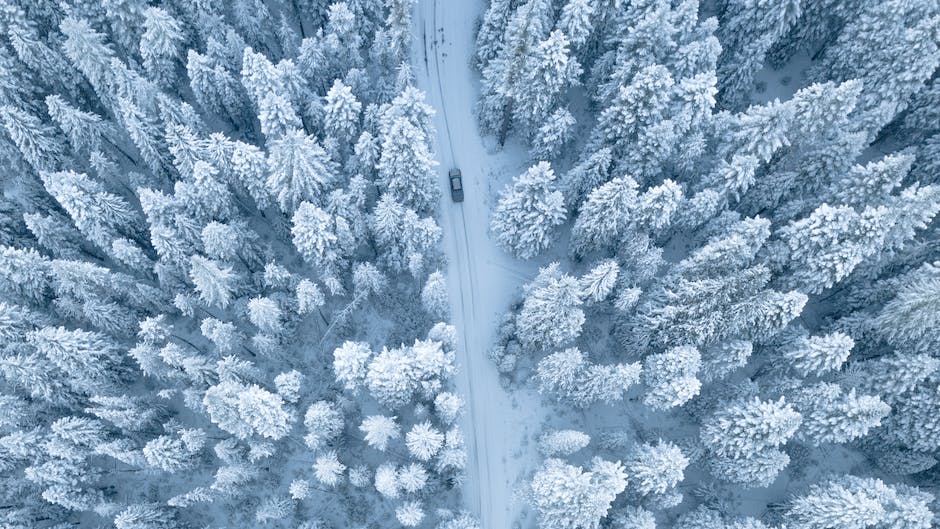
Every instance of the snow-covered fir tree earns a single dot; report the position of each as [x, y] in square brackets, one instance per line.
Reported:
[529, 212]
[564, 495]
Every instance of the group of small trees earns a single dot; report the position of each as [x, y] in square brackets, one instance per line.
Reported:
[407, 377]
[565, 495]
[765, 266]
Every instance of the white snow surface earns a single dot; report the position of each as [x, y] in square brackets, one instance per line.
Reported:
[501, 428]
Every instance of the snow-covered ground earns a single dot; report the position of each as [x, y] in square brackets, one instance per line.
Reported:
[483, 279]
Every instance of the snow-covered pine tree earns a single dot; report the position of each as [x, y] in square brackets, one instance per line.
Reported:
[745, 428]
[817, 355]
[562, 442]
[298, 170]
[503, 74]
[670, 377]
[568, 496]
[551, 314]
[570, 377]
[529, 212]
[833, 416]
[850, 501]
[406, 167]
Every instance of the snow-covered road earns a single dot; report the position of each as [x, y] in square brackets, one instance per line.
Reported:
[483, 280]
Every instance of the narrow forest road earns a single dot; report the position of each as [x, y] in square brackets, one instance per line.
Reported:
[483, 280]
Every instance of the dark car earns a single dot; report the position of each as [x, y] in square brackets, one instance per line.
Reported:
[456, 185]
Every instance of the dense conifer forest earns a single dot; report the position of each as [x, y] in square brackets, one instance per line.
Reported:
[235, 291]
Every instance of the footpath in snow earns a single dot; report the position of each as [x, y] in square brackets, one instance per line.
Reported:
[483, 280]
